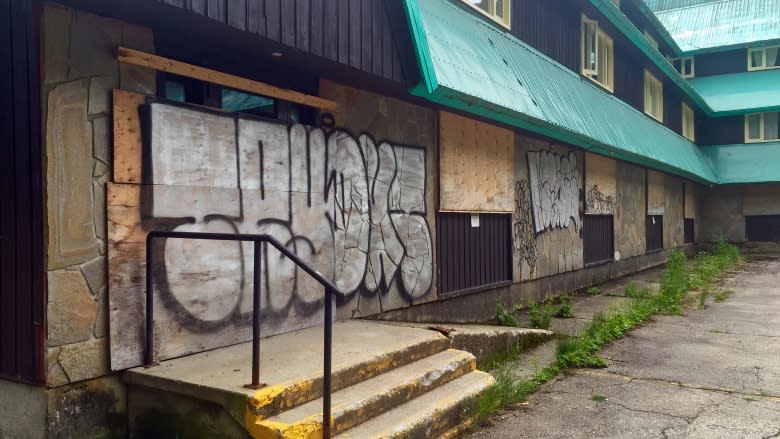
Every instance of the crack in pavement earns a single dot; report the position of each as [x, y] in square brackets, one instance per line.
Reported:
[722, 390]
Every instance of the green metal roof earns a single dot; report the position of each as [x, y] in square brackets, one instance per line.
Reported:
[724, 23]
[745, 163]
[740, 93]
[471, 65]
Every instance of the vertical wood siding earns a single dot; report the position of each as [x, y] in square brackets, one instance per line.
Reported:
[553, 28]
[598, 235]
[21, 230]
[369, 35]
[470, 257]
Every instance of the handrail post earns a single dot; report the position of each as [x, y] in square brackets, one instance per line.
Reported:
[256, 384]
[326, 381]
[149, 347]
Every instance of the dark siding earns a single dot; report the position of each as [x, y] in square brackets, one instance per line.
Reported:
[654, 230]
[720, 63]
[632, 12]
[369, 35]
[762, 228]
[472, 257]
[689, 225]
[629, 78]
[721, 130]
[598, 238]
[553, 28]
[672, 108]
[21, 229]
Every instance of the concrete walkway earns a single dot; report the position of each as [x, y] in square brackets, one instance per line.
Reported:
[714, 373]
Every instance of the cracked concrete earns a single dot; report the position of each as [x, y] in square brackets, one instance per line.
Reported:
[714, 373]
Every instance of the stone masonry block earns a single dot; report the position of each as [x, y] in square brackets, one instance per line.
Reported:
[71, 309]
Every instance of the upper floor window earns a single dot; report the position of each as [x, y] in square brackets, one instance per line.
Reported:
[498, 10]
[654, 97]
[684, 66]
[597, 54]
[762, 127]
[688, 122]
[764, 58]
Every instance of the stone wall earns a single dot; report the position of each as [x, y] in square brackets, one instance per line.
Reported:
[722, 209]
[79, 71]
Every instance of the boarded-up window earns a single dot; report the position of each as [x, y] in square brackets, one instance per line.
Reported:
[655, 232]
[689, 225]
[477, 166]
[762, 228]
[598, 238]
[475, 250]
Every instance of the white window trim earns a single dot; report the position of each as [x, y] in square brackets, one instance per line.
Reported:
[682, 66]
[650, 78]
[763, 58]
[592, 73]
[760, 130]
[503, 21]
[691, 135]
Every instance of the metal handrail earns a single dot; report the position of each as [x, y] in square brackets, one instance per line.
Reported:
[330, 290]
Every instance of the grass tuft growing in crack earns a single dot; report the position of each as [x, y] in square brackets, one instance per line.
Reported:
[541, 316]
[582, 351]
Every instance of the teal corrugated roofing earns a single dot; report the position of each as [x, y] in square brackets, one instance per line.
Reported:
[722, 23]
[745, 163]
[740, 92]
[473, 66]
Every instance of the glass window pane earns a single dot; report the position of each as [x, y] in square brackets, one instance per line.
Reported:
[771, 57]
[236, 101]
[756, 58]
[500, 8]
[687, 66]
[754, 126]
[174, 91]
[771, 126]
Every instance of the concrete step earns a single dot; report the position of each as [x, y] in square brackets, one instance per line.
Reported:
[365, 400]
[291, 365]
[439, 413]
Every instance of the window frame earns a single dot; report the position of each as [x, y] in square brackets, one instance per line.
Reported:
[651, 39]
[682, 70]
[503, 21]
[763, 58]
[590, 68]
[688, 126]
[651, 82]
[761, 131]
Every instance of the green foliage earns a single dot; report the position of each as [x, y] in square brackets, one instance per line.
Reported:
[598, 398]
[540, 317]
[564, 308]
[509, 390]
[504, 317]
[633, 292]
[594, 291]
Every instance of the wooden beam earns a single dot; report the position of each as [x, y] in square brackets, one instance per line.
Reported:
[163, 64]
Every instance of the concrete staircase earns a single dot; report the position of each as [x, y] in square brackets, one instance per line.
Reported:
[389, 381]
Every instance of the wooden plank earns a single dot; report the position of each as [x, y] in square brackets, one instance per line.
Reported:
[144, 59]
[376, 37]
[355, 46]
[198, 6]
[302, 25]
[366, 9]
[343, 31]
[216, 10]
[288, 22]
[237, 14]
[273, 19]
[316, 35]
[255, 17]
[127, 137]
[330, 19]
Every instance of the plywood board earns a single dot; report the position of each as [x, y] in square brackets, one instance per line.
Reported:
[600, 184]
[691, 200]
[476, 165]
[656, 188]
[127, 137]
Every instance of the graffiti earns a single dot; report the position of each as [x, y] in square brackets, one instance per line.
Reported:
[524, 239]
[554, 181]
[352, 207]
[598, 202]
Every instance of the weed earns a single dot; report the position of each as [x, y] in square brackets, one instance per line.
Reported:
[716, 331]
[564, 308]
[593, 291]
[540, 318]
[599, 398]
[504, 317]
[750, 399]
[493, 361]
[705, 292]
[632, 291]
[508, 390]
[720, 296]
